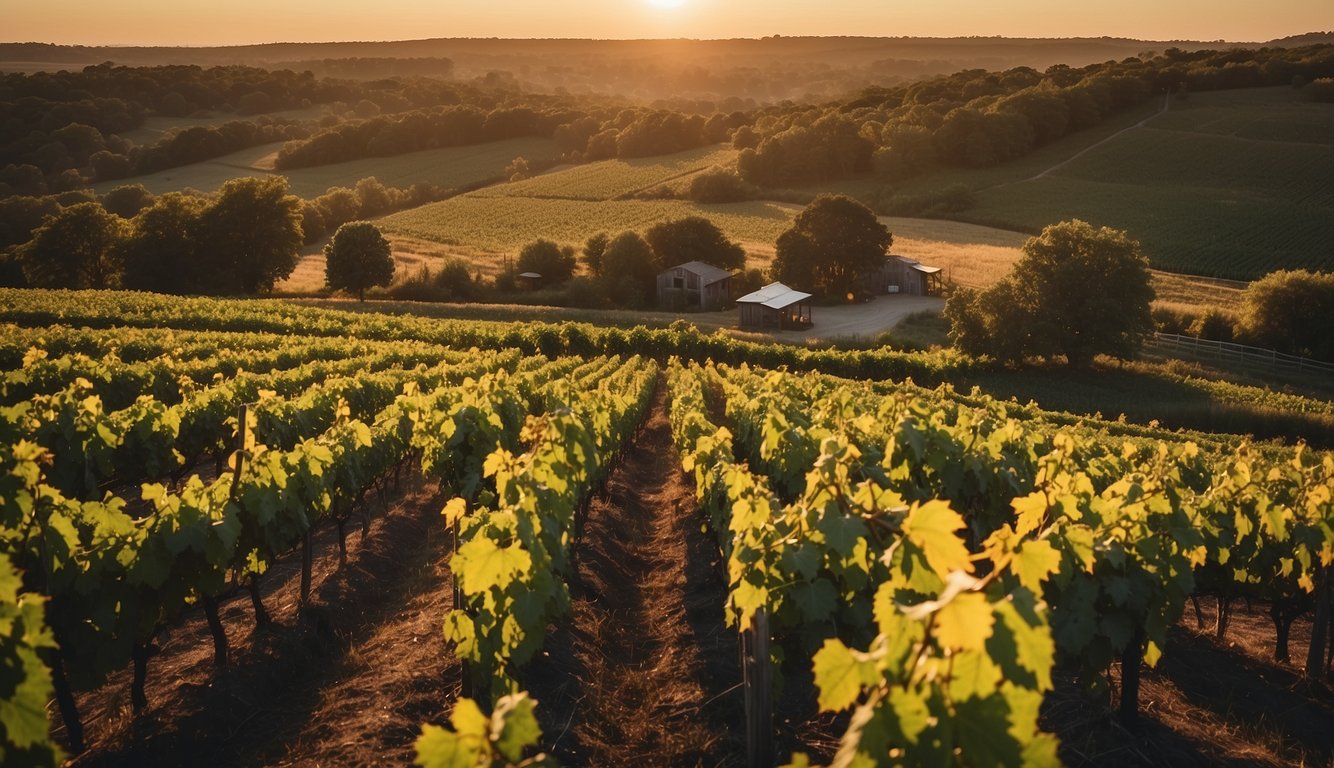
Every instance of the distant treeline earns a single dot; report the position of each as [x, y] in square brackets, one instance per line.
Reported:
[63, 130]
[977, 118]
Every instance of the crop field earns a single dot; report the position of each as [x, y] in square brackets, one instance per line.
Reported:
[1228, 185]
[344, 435]
[451, 168]
[610, 179]
[505, 224]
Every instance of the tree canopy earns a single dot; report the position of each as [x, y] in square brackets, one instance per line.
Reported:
[357, 258]
[694, 238]
[553, 262]
[1077, 292]
[830, 246]
[252, 233]
[1291, 311]
[162, 250]
[75, 248]
[629, 269]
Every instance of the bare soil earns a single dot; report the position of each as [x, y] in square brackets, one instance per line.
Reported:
[644, 672]
[347, 681]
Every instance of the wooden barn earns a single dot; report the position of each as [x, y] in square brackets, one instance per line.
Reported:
[694, 285]
[900, 274]
[775, 306]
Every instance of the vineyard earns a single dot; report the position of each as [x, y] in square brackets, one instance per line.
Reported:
[917, 573]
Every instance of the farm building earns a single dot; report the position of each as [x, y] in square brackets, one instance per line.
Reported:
[775, 306]
[900, 274]
[694, 285]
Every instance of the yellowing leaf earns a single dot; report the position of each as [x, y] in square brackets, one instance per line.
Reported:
[1034, 562]
[965, 622]
[932, 527]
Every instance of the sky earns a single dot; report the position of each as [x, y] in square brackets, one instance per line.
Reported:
[235, 22]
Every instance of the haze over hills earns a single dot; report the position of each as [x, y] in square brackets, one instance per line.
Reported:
[766, 69]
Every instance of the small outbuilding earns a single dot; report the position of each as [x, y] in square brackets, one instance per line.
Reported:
[694, 285]
[775, 306]
[530, 280]
[900, 274]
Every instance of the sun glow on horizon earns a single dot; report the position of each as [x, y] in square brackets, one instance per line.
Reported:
[666, 5]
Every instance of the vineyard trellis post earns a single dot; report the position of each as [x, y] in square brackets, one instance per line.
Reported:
[757, 677]
[1315, 655]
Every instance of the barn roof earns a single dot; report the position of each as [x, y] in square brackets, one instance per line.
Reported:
[530, 275]
[926, 270]
[708, 274]
[774, 296]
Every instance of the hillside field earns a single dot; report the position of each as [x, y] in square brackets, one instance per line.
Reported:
[451, 168]
[1229, 184]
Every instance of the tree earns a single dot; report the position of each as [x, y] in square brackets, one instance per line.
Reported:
[358, 258]
[1077, 292]
[830, 245]
[127, 200]
[594, 247]
[1291, 311]
[161, 252]
[78, 247]
[553, 262]
[253, 232]
[629, 269]
[694, 238]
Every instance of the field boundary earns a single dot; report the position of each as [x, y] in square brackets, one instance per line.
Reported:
[1240, 354]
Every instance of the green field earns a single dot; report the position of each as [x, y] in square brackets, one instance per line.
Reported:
[610, 179]
[450, 168]
[504, 224]
[156, 127]
[1230, 184]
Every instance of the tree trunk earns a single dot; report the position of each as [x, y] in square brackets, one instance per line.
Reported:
[215, 627]
[1282, 625]
[1131, 658]
[306, 557]
[1224, 615]
[69, 709]
[262, 618]
[137, 696]
[1319, 626]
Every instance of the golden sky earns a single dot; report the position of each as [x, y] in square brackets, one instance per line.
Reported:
[210, 22]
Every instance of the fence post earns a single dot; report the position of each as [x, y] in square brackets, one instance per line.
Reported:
[757, 676]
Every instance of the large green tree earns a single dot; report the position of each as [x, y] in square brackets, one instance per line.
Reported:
[1292, 311]
[162, 251]
[78, 247]
[694, 238]
[629, 269]
[555, 263]
[252, 233]
[357, 258]
[1077, 292]
[830, 246]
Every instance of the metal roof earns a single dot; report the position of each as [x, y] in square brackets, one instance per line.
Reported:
[774, 296]
[708, 273]
[530, 275]
[926, 270]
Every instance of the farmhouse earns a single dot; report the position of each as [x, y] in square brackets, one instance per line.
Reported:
[900, 274]
[775, 306]
[694, 285]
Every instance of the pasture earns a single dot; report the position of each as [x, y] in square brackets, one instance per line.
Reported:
[611, 179]
[1231, 184]
[452, 168]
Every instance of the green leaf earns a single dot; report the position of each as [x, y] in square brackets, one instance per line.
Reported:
[440, 748]
[839, 673]
[481, 565]
[514, 727]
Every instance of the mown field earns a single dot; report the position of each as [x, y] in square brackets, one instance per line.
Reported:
[155, 126]
[610, 179]
[1231, 184]
[452, 167]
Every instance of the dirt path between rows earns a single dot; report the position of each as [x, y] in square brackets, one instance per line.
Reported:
[349, 681]
[645, 672]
